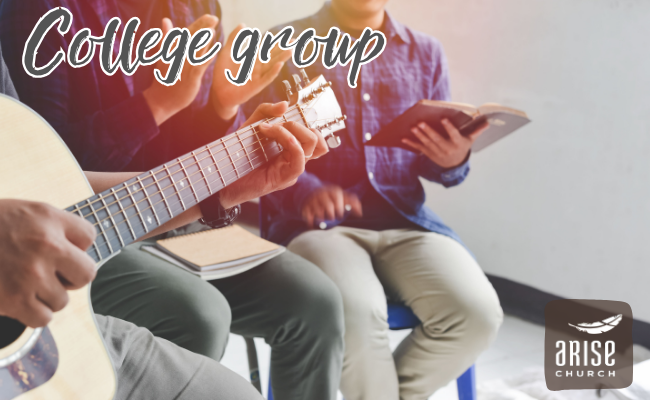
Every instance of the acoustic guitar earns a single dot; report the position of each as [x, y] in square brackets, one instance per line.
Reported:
[67, 359]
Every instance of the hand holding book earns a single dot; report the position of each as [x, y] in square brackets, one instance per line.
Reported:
[466, 120]
[448, 150]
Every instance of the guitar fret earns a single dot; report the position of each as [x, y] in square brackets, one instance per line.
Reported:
[110, 216]
[146, 196]
[162, 194]
[302, 116]
[99, 254]
[248, 157]
[137, 208]
[216, 165]
[101, 228]
[189, 179]
[234, 165]
[261, 144]
[126, 217]
[171, 178]
[202, 171]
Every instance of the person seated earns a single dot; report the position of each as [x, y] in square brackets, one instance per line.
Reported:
[43, 255]
[133, 123]
[359, 215]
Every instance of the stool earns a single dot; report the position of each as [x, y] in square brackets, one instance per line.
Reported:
[399, 317]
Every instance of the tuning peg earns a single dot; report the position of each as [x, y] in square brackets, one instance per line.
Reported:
[297, 82]
[287, 89]
[333, 141]
[305, 78]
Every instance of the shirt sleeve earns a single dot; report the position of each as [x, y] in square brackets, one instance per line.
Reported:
[440, 90]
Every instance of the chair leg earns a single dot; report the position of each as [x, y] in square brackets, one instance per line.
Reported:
[270, 395]
[253, 365]
[467, 385]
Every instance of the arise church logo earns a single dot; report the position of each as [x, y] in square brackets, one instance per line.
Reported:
[596, 328]
[588, 355]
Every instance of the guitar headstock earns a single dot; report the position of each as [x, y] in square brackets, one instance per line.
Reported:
[318, 105]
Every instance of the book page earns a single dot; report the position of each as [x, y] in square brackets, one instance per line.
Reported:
[217, 246]
[466, 108]
[488, 108]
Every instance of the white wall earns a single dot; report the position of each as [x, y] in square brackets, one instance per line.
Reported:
[563, 205]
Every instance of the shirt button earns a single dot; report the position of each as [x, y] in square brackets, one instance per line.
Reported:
[366, 97]
[322, 225]
[368, 136]
[371, 175]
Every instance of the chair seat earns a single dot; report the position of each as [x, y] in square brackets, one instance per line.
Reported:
[401, 317]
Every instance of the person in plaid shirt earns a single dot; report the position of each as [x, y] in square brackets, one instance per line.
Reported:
[359, 215]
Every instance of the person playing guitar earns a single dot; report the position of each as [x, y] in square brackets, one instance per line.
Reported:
[124, 123]
[43, 255]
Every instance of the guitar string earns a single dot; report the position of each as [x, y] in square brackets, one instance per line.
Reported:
[218, 172]
[108, 238]
[192, 194]
[208, 148]
[193, 191]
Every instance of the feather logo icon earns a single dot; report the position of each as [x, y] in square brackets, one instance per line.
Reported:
[598, 327]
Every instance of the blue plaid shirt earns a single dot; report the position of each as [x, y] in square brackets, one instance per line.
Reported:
[412, 67]
[107, 125]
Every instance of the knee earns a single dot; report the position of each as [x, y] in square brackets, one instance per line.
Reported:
[484, 317]
[319, 307]
[201, 318]
[473, 322]
[310, 308]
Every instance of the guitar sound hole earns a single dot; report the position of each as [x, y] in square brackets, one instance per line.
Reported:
[10, 330]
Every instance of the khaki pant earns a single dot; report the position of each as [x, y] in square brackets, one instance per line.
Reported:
[429, 272]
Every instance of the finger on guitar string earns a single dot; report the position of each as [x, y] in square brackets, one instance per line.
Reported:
[266, 110]
[293, 152]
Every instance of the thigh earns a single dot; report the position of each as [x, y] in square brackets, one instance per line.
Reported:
[138, 287]
[148, 367]
[344, 254]
[281, 291]
[434, 275]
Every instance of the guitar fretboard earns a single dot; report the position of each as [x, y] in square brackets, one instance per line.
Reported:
[127, 212]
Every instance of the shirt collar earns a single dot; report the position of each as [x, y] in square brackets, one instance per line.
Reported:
[393, 28]
[325, 19]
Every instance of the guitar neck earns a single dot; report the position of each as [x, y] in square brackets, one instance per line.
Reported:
[128, 211]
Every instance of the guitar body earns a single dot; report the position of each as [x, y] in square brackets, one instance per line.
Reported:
[36, 165]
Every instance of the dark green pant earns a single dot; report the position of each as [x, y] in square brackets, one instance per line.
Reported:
[287, 301]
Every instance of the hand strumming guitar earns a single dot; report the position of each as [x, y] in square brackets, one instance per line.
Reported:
[43, 252]
[446, 151]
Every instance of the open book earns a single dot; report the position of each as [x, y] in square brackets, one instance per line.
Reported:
[465, 117]
[217, 253]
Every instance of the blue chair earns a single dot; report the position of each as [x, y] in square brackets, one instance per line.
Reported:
[401, 317]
